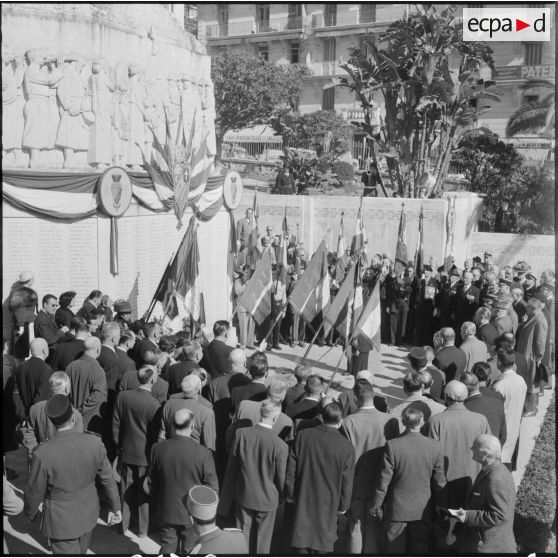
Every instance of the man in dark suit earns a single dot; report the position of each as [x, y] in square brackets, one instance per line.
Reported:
[243, 228]
[486, 331]
[177, 465]
[307, 407]
[70, 350]
[348, 401]
[160, 388]
[134, 431]
[126, 342]
[33, 375]
[490, 508]
[319, 482]
[465, 302]
[296, 393]
[491, 407]
[90, 305]
[89, 385]
[421, 361]
[45, 326]
[449, 359]
[188, 359]
[367, 430]
[255, 390]
[216, 355]
[255, 479]
[412, 466]
[150, 342]
[64, 473]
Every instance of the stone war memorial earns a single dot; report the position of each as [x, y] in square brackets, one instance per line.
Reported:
[88, 89]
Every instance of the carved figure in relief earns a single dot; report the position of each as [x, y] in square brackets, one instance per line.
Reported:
[75, 117]
[208, 117]
[136, 141]
[12, 106]
[52, 157]
[172, 105]
[154, 113]
[37, 86]
[120, 114]
[101, 88]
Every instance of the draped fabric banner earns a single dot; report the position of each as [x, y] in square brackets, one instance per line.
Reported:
[73, 196]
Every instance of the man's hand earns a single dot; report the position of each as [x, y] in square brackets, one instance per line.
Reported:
[114, 518]
[459, 514]
[375, 512]
[64, 329]
[341, 512]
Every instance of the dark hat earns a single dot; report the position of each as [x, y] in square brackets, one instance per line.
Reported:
[522, 267]
[427, 267]
[477, 259]
[504, 281]
[59, 409]
[202, 502]
[123, 307]
[417, 357]
[531, 276]
[455, 271]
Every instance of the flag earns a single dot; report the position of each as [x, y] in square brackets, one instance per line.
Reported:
[310, 295]
[165, 293]
[296, 252]
[369, 319]
[419, 256]
[253, 253]
[341, 239]
[339, 313]
[358, 243]
[401, 249]
[256, 297]
[282, 263]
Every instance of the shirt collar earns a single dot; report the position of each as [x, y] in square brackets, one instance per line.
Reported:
[109, 347]
[263, 425]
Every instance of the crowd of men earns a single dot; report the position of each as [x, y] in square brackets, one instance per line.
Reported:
[188, 439]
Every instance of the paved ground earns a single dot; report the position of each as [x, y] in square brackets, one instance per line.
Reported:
[26, 539]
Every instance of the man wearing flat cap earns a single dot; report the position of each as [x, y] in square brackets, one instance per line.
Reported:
[64, 473]
[202, 506]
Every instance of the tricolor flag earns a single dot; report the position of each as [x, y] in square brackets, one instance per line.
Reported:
[340, 311]
[419, 256]
[253, 253]
[401, 249]
[369, 319]
[256, 298]
[310, 295]
[358, 243]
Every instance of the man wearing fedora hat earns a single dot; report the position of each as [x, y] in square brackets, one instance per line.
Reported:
[65, 471]
[202, 506]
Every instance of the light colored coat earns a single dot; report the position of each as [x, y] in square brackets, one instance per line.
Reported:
[513, 389]
[531, 343]
[475, 351]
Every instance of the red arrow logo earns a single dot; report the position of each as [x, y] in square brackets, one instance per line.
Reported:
[519, 25]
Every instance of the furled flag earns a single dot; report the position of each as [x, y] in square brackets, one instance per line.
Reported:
[339, 313]
[282, 260]
[368, 319]
[256, 297]
[253, 253]
[296, 252]
[340, 266]
[419, 256]
[310, 295]
[401, 249]
[358, 243]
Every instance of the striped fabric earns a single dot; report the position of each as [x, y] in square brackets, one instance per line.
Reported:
[401, 249]
[256, 297]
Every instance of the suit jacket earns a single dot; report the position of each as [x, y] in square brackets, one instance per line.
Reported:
[86, 310]
[216, 358]
[177, 465]
[488, 333]
[493, 409]
[294, 394]
[463, 308]
[220, 388]
[32, 381]
[125, 362]
[141, 348]
[89, 387]
[451, 361]
[204, 420]
[456, 428]
[412, 466]
[320, 473]
[255, 475]
[221, 541]
[243, 230]
[304, 409]
[64, 473]
[66, 352]
[254, 391]
[438, 382]
[349, 405]
[63, 316]
[111, 365]
[531, 343]
[42, 428]
[177, 372]
[134, 426]
[250, 411]
[490, 512]
[46, 327]
[475, 351]
[159, 390]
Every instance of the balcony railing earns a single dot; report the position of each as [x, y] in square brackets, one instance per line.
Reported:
[382, 14]
[250, 27]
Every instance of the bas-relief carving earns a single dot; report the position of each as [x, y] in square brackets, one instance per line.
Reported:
[59, 107]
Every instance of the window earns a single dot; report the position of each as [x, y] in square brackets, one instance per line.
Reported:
[330, 15]
[294, 52]
[328, 99]
[295, 16]
[532, 54]
[223, 19]
[363, 46]
[367, 13]
[262, 18]
[262, 52]
[329, 50]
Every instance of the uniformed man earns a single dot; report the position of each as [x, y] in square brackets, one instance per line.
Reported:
[64, 473]
[123, 311]
[202, 506]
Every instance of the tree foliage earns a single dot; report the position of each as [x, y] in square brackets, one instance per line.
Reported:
[248, 90]
[534, 116]
[429, 81]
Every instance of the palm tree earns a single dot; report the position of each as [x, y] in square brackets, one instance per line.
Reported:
[534, 116]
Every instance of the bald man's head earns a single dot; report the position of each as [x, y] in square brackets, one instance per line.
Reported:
[92, 346]
[237, 358]
[191, 385]
[486, 448]
[39, 348]
[456, 391]
[183, 420]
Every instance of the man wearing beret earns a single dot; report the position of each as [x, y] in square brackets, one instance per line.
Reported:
[63, 476]
[202, 506]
